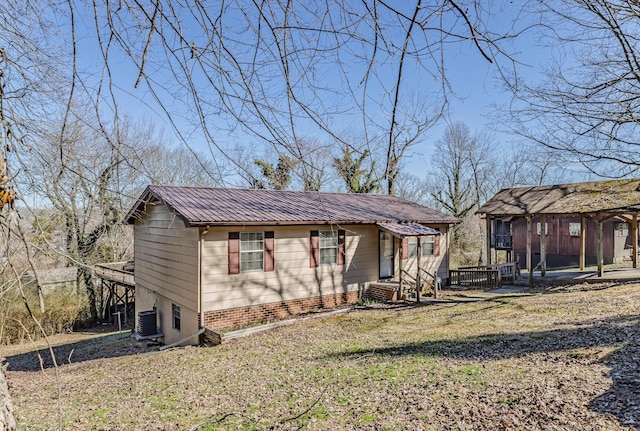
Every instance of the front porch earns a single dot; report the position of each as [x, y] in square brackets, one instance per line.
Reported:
[407, 287]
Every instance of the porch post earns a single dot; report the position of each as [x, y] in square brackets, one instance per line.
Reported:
[543, 245]
[634, 239]
[400, 268]
[529, 266]
[487, 258]
[599, 245]
[583, 240]
[418, 283]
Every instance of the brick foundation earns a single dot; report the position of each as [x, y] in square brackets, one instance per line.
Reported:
[382, 293]
[234, 317]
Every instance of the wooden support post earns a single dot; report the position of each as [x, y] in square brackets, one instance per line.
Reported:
[543, 245]
[634, 240]
[487, 258]
[418, 282]
[583, 241]
[529, 265]
[599, 247]
[400, 268]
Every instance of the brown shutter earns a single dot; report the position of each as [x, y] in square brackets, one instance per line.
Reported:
[405, 248]
[314, 257]
[341, 248]
[436, 245]
[234, 252]
[269, 251]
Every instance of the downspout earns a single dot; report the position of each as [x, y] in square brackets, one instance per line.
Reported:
[200, 256]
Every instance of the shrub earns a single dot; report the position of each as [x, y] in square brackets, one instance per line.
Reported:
[64, 309]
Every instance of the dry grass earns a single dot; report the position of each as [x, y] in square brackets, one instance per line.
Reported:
[565, 359]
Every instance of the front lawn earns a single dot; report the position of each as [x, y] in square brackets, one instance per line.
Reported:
[560, 359]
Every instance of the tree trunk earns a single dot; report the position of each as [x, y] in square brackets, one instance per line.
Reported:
[84, 276]
[7, 421]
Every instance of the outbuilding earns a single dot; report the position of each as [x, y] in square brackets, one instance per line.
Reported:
[221, 258]
[565, 225]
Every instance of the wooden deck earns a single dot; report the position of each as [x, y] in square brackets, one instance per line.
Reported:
[117, 272]
[117, 291]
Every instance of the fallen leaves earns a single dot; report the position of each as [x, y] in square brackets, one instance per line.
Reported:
[564, 359]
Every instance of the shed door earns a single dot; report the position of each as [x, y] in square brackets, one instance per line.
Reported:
[386, 255]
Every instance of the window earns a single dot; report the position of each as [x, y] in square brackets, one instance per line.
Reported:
[546, 228]
[328, 246]
[622, 229]
[175, 316]
[412, 247]
[427, 245]
[251, 251]
[574, 229]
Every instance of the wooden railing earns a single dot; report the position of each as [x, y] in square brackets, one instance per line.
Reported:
[116, 271]
[411, 281]
[433, 280]
[491, 276]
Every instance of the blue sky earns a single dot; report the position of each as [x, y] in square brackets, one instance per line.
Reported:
[472, 78]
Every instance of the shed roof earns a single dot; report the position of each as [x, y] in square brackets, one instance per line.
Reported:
[407, 229]
[201, 206]
[576, 198]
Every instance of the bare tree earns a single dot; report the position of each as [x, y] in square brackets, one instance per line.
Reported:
[587, 105]
[460, 169]
[280, 72]
[529, 165]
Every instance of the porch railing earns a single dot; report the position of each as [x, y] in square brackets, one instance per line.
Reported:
[491, 276]
[410, 281]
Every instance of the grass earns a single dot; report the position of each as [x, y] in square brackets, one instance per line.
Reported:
[547, 361]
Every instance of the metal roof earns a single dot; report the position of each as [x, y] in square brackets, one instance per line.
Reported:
[576, 198]
[201, 206]
[408, 229]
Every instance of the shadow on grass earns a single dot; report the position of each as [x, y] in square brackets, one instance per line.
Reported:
[103, 346]
[621, 400]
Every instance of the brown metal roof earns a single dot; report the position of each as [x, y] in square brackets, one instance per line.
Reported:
[408, 229]
[200, 206]
[576, 198]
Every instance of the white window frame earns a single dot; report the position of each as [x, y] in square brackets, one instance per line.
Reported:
[251, 251]
[546, 228]
[574, 229]
[428, 246]
[622, 229]
[328, 247]
[412, 247]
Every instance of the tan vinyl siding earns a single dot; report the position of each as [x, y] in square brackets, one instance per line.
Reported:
[438, 265]
[166, 255]
[292, 277]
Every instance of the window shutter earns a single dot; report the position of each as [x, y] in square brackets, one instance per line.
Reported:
[341, 247]
[269, 251]
[436, 245]
[234, 252]
[314, 258]
[405, 248]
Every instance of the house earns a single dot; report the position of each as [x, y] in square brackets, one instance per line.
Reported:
[221, 258]
[591, 223]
